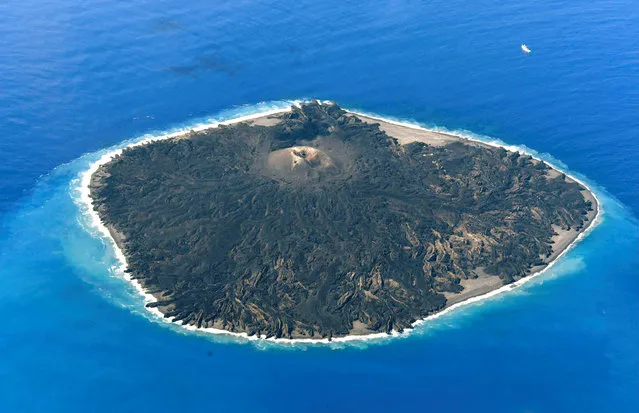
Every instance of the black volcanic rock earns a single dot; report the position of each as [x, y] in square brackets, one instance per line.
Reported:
[321, 221]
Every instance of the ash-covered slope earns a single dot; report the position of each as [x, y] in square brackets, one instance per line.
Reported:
[321, 223]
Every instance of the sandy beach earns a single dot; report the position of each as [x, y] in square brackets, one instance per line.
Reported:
[482, 287]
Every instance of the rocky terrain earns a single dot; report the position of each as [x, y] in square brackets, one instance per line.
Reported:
[318, 224]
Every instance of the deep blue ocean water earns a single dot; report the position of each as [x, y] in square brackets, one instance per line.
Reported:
[77, 77]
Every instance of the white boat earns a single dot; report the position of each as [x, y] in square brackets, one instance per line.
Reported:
[525, 48]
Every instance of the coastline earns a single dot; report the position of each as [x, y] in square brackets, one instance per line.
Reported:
[86, 178]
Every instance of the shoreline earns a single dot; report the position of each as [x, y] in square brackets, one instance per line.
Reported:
[95, 222]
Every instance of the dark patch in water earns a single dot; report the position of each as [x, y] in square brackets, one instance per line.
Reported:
[165, 25]
[206, 63]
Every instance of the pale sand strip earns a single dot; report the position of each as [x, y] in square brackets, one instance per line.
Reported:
[474, 287]
[404, 131]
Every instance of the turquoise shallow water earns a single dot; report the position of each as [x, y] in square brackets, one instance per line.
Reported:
[77, 78]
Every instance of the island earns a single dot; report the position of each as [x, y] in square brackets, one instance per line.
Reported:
[318, 222]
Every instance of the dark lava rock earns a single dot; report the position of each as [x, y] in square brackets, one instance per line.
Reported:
[305, 227]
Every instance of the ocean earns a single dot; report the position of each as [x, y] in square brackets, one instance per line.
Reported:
[78, 79]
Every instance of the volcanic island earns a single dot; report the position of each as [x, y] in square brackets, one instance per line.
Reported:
[318, 222]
